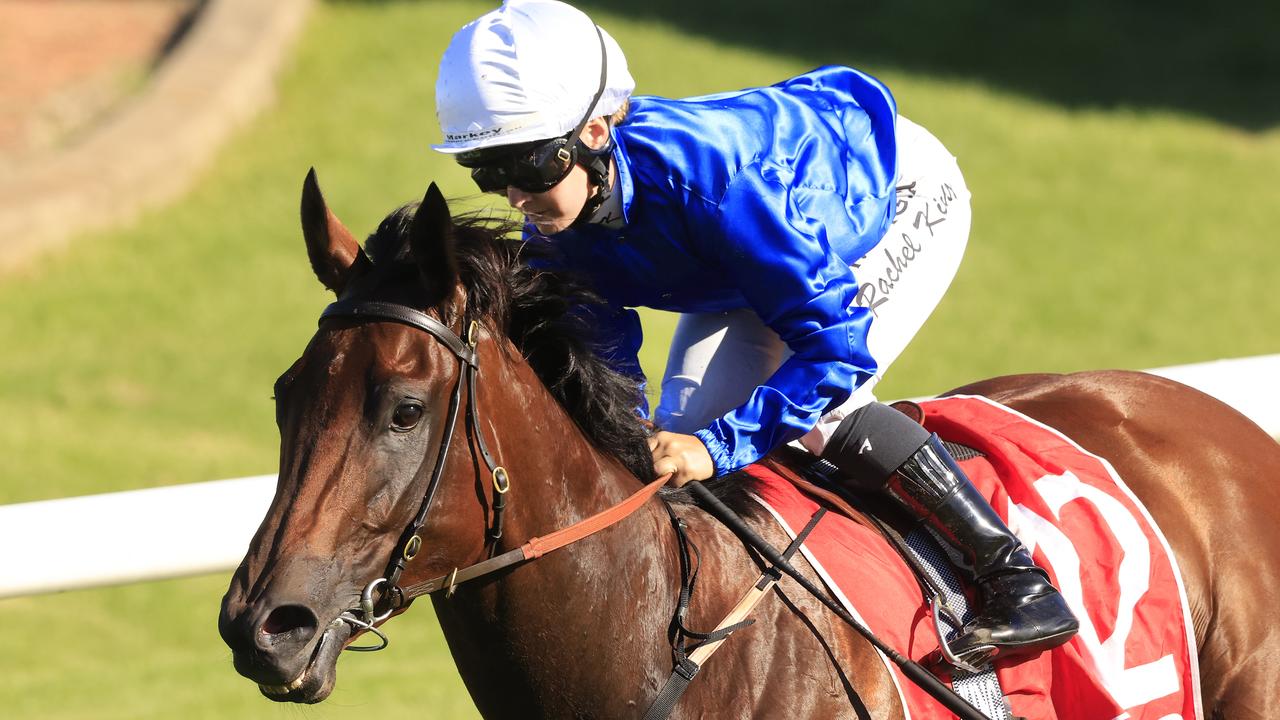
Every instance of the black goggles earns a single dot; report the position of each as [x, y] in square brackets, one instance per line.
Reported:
[532, 167]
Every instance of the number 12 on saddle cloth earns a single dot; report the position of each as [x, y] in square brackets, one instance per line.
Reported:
[1135, 655]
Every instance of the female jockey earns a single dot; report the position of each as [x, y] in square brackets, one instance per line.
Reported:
[805, 231]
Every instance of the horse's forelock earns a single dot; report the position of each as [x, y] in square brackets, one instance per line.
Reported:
[390, 242]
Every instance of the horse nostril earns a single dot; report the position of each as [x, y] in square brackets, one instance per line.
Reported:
[293, 621]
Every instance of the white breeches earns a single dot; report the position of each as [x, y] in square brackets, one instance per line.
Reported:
[718, 359]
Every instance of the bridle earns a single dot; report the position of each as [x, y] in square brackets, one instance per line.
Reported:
[410, 542]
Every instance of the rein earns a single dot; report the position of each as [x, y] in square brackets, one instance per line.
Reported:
[947, 697]
[410, 542]
[538, 546]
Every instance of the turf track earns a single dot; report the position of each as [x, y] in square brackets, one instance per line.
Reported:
[1125, 191]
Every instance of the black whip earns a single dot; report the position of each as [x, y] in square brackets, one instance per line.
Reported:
[913, 670]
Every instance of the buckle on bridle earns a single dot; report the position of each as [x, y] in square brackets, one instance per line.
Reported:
[501, 481]
[412, 547]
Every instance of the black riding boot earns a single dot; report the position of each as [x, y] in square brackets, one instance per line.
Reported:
[879, 448]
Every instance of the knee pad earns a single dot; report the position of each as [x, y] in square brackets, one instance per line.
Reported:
[871, 443]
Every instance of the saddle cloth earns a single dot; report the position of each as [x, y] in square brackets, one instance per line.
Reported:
[1135, 655]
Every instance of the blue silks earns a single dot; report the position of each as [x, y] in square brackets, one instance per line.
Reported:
[760, 198]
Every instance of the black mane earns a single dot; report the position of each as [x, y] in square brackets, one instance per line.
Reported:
[543, 313]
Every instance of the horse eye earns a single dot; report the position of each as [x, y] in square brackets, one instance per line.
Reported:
[406, 416]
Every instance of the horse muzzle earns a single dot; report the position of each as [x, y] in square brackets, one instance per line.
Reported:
[282, 641]
[316, 679]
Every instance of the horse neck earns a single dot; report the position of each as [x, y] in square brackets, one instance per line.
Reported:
[558, 476]
[513, 635]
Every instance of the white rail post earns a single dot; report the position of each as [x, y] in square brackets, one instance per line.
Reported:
[168, 532]
[123, 537]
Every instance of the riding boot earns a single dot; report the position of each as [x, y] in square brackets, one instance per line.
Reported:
[1021, 612]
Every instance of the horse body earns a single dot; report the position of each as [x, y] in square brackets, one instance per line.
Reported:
[583, 632]
[1208, 476]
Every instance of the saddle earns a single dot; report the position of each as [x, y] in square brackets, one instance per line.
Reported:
[1135, 652]
[932, 562]
[917, 548]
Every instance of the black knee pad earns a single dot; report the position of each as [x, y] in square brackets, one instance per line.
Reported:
[871, 443]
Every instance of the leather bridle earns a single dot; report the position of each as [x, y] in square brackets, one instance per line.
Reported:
[410, 542]
[394, 597]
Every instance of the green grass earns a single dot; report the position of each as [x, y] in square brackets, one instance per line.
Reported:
[1105, 235]
[152, 651]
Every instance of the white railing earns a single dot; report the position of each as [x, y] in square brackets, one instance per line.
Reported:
[168, 532]
[123, 537]
[1250, 385]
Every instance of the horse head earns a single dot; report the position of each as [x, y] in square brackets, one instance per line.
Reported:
[367, 416]
[360, 424]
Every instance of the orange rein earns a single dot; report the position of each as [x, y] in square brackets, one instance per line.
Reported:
[538, 546]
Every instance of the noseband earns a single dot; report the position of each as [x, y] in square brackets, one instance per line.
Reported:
[410, 540]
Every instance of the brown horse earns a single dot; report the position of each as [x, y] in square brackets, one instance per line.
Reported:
[366, 417]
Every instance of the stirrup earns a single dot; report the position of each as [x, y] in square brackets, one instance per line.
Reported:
[940, 612]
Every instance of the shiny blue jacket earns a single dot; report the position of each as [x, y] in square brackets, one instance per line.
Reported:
[760, 198]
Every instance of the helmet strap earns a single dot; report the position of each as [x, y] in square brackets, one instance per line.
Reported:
[596, 163]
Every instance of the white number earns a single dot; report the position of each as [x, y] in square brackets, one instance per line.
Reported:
[1130, 687]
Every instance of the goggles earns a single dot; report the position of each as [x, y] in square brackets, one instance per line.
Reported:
[532, 167]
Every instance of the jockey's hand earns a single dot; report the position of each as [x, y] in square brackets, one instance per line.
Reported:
[683, 455]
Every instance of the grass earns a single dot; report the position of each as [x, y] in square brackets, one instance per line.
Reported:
[1106, 235]
[152, 651]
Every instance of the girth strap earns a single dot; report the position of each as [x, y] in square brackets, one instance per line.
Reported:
[687, 666]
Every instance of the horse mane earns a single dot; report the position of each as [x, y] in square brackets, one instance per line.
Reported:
[544, 313]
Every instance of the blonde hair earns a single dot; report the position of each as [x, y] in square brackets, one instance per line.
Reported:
[620, 114]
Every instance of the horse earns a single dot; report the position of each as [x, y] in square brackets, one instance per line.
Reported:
[370, 446]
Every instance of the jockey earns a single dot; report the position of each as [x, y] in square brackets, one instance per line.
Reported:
[804, 231]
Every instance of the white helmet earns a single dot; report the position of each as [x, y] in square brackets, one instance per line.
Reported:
[526, 71]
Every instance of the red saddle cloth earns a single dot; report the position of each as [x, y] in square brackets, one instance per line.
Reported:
[1135, 654]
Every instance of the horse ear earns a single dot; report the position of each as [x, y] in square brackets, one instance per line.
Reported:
[335, 255]
[431, 238]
